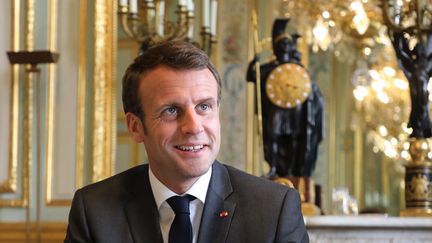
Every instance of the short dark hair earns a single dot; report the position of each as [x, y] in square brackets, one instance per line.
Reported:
[178, 55]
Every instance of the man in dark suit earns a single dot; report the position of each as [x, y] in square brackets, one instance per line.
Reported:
[171, 97]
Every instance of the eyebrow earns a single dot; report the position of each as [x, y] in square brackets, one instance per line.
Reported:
[208, 100]
[211, 100]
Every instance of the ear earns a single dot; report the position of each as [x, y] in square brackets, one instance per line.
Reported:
[135, 127]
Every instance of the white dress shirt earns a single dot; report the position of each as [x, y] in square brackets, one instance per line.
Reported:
[166, 215]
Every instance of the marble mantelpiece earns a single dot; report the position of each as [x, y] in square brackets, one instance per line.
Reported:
[368, 228]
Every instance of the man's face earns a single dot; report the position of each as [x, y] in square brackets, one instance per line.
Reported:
[181, 120]
[283, 48]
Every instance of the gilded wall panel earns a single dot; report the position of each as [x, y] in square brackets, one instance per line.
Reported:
[104, 121]
[128, 152]
[14, 176]
[65, 106]
[16, 232]
[8, 159]
[66, 152]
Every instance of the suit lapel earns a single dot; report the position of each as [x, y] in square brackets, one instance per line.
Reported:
[217, 213]
[142, 213]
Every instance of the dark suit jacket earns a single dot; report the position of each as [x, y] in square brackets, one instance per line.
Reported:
[122, 209]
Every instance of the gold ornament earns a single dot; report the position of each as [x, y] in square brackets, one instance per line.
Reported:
[288, 85]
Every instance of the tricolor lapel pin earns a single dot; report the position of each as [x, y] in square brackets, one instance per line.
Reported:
[223, 214]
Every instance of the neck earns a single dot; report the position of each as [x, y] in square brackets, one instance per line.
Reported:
[180, 187]
[177, 184]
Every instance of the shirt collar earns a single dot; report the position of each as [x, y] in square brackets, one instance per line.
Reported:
[162, 193]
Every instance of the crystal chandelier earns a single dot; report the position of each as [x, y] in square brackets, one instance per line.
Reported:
[382, 92]
[333, 21]
[146, 21]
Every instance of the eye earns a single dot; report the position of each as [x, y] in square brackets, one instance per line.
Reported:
[171, 111]
[204, 107]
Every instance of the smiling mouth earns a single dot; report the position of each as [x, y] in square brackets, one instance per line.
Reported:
[195, 148]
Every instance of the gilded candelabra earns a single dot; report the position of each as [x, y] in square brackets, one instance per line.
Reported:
[146, 21]
[410, 29]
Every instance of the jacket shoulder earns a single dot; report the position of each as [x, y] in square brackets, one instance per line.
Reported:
[245, 181]
[116, 185]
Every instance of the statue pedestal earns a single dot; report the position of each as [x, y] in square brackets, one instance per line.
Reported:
[306, 188]
[418, 181]
[310, 209]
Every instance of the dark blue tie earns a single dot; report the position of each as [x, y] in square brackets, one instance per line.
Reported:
[181, 228]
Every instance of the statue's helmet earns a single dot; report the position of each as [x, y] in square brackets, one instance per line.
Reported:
[279, 31]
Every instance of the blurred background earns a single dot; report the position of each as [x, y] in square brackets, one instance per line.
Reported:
[62, 126]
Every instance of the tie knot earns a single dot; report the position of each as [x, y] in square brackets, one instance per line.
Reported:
[180, 204]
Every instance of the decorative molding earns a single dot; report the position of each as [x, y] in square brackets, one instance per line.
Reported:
[27, 134]
[368, 228]
[104, 121]
[10, 184]
[332, 165]
[79, 168]
[358, 159]
[50, 232]
[27, 140]
[29, 25]
[121, 116]
[134, 150]
[28, 108]
[80, 100]
[50, 104]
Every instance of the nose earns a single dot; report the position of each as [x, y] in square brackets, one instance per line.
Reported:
[191, 122]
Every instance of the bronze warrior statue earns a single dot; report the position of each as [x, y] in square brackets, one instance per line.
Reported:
[292, 128]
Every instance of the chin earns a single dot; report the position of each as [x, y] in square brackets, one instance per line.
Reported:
[196, 171]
